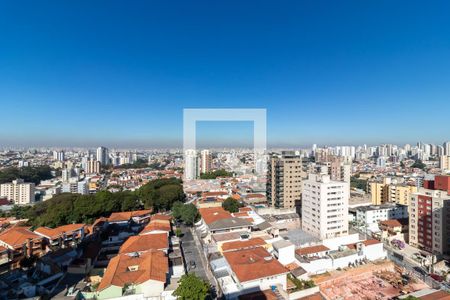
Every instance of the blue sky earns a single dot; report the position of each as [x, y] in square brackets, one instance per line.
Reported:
[119, 73]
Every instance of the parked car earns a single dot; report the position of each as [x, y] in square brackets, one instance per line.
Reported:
[192, 265]
[437, 277]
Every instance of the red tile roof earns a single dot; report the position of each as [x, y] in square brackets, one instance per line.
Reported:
[251, 243]
[142, 243]
[253, 264]
[241, 214]
[17, 236]
[124, 269]
[311, 250]
[161, 217]
[438, 295]
[214, 194]
[154, 225]
[391, 223]
[213, 214]
[127, 215]
[365, 243]
[54, 233]
[245, 209]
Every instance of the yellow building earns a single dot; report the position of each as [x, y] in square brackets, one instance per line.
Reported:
[387, 192]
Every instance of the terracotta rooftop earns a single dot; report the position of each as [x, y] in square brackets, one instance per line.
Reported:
[311, 250]
[161, 217]
[245, 209]
[214, 194]
[439, 295]
[141, 243]
[236, 245]
[17, 236]
[241, 214]
[365, 243]
[54, 233]
[213, 214]
[259, 295]
[163, 225]
[253, 264]
[127, 215]
[124, 269]
[391, 223]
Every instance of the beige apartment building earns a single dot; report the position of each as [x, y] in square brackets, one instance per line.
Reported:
[388, 192]
[284, 180]
[18, 191]
[444, 162]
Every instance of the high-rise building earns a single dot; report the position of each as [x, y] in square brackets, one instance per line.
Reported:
[205, 161]
[58, 155]
[190, 165]
[444, 162]
[102, 156]
[429, 213]
[18, 191]
[324, 207]
[284, 180]
[447, 148]
[93, 167]
[66, 174]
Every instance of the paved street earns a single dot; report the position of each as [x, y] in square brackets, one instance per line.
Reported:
[192, 253]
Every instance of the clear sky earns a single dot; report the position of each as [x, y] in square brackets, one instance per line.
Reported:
[85, 73]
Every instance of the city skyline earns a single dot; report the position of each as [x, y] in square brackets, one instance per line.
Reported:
[326, 73]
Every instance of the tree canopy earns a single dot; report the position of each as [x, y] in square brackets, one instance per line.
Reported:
[192, 288]
[358, 183]
[215, 174]
[28, 174]
[418, 164]
[186, 213]
[231, 205]
[74, 208]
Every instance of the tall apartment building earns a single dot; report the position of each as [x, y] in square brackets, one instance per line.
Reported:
[388, 192]
[75, 186]
[58, 155]
[102, 156]
[93, 167]
[205, 161]
[429, 216]
[444, 162]
[190, 165]
[284, 180]
[324, 207]
[446, 147]
[18, 191]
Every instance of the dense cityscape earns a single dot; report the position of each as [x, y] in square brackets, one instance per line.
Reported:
[368, 222]
[230, 150]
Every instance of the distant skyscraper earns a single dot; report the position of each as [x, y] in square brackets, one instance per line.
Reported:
[447, 148]
[190, 165]
[93, 167]
[102, 155]
[58, 155]
[205, 162]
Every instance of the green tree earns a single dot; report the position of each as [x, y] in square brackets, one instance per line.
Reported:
[189, 214]
[231, 205]
[192, 288]
[177, 210]
[215, 174]
[361, 184]
[418, 164]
